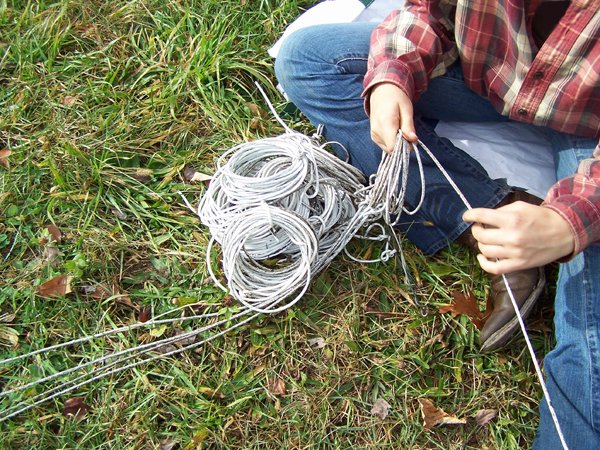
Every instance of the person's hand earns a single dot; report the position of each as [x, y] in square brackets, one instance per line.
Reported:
[519, 236]
[390, 110]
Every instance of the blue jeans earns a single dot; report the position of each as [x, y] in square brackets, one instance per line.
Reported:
[321, 69]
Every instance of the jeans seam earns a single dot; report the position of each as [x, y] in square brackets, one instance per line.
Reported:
[592, 339]
[340, 61]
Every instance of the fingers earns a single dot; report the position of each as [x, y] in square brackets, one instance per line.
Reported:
[485, 234]
[498, 266]
[489, 217]
[407, 125]
[391, 110]
[519, 236]
[384, 134]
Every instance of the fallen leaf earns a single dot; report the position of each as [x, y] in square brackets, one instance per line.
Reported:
[277, 387]
[101, 292]
[256, 110]
[380, 408]
[54, 231]
[210, 392]
[184, 341]
[51, 253]
[167, 443]
[56, 287]
[317, 342]
[4, 196]
[163, 348]
[69, 100]
[433, 416]
[4, 154]
[467, 305]
[119, 214]
[197, 441]
[485, 416]
[143, 175]
[9, 337]
[194, 176]
[75, 407]
[7, 318]
[145, 314]
[158, 331]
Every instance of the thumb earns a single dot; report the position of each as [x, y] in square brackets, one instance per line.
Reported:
[407, 124]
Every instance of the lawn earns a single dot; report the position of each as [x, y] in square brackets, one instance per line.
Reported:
[107, 111]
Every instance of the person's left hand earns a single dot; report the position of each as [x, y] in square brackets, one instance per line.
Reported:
[519, 236]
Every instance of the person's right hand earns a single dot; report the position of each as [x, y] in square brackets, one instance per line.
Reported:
[390, 110]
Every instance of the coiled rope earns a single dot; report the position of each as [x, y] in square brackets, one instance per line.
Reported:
[281, 210]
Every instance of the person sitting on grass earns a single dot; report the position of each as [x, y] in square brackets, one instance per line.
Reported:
[535, 62]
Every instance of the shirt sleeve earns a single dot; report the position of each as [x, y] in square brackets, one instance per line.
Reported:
[411, 46]
[577, 200]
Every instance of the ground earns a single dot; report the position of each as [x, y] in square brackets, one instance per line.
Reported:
[107, 111]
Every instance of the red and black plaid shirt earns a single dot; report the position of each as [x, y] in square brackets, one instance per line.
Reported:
[557, 85]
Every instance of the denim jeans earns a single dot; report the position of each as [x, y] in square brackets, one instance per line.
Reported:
[321, 69]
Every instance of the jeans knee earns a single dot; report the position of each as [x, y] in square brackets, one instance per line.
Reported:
[292, 59]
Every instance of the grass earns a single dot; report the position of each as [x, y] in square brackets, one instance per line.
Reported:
[103, 106]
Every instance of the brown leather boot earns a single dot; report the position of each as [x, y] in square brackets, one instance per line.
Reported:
[526, 286]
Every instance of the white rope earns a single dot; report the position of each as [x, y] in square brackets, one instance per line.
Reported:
[538, 370]
[515, 307]
[281, 210]
[100, 373]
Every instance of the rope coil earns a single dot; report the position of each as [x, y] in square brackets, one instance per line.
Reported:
[281, 210]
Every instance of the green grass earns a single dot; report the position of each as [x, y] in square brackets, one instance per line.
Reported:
[103, 105]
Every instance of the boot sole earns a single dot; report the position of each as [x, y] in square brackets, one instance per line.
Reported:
[503, 334]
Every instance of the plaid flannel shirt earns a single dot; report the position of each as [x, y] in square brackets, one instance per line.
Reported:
[557, 85]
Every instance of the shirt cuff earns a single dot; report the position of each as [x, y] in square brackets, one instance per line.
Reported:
[392, 71]
[581, 238]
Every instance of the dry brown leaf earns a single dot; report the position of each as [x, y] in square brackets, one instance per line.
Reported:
[7, 318]
[184, 341]
[4, 154]
[143, 175]
[145, 314]
[256, 110]
[193, 176]
[4, 196]
[380, 408]
[54, 231]
[485, 416]
[56, 287]
[197, 442]
[277, 387]
[317, 342]
[433, 416]
[119, 214]
[75, 407]
[100, 292]
[167, 443]
[69, 100]
[210, 392]
[467, 305]
[50, 254]
[8, 336]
